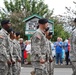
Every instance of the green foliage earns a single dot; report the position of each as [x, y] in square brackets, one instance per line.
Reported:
[59, 31]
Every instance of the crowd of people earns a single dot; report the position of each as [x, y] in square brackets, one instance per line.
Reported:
[25, 50]
[40, 52]
[60, 51]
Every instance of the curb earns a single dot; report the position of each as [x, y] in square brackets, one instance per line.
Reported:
[56, 66]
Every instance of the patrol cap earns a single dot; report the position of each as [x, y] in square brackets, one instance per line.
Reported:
[17, 33]
[42, 21]
[3, 22]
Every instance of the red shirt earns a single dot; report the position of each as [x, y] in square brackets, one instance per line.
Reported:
[68, 45]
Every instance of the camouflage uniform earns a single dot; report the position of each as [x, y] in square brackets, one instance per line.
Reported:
[51, 64]
[11, 57]
[15, 56]
[18, 49]
[49, 58]
[4, 52]
[73, 51]
[39, 51]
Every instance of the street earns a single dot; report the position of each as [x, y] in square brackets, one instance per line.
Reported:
[57, 71]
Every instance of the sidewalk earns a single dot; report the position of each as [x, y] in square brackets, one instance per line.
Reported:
[57, 71]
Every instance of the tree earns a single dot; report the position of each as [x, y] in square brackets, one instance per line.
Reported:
[69, 16]
[59, 30]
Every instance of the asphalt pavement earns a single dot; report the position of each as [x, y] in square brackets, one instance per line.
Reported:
[57, 71]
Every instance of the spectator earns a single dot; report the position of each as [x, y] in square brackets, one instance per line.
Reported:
[28, 49]
[58, 46]
[67, 49]
[22, 49]
[25, 53]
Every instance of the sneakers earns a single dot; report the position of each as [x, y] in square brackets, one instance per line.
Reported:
[56, 64]
[61, 64]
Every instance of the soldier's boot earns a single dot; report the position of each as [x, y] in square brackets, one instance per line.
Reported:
[33, 73]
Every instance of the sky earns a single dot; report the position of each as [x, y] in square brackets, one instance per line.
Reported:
[57, 5]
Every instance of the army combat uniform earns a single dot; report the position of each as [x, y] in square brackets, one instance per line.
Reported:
[11, 57]
[39, 51]
[73, 51]
[15, 56]
[4, 52]
[18, 49]
[51, 64]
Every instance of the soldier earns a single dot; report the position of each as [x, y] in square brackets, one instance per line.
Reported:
[10, 31]
[49, 52]
[73, 49]
[4, 47]
[22, 49]
[13, 67]
[51, 64]
[39, 49]
[18, 48]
